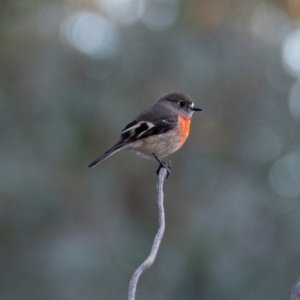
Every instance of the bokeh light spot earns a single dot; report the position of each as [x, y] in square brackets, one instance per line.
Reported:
[269, 24]
[91, 34]
[291, 52]
[122, 11]
[159, 14]
[285, 176]
[294, 100]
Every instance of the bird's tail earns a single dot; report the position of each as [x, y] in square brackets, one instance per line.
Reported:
[105, 155]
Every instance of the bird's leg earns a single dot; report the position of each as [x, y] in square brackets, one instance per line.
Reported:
[163, 164]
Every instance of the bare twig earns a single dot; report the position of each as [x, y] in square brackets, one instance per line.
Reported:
[157, 240]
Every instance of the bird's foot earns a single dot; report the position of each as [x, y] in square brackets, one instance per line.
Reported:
[163, 164]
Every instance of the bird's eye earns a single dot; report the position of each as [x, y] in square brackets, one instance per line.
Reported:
[182, 103]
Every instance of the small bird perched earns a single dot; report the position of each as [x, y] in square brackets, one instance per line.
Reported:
[158, 131]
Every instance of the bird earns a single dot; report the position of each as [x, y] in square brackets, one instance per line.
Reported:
[158, 131]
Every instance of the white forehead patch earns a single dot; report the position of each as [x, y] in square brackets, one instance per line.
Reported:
[192, 105]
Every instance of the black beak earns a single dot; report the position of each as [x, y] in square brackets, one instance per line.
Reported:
[196, 109]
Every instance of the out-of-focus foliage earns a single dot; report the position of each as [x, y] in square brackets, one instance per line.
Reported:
[73, 73]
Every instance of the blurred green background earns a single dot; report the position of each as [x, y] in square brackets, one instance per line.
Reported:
[73, 73]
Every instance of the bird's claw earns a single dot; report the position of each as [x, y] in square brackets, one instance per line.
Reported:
[163, 164]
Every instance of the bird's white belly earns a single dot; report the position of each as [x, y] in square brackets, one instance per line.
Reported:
[161, 145]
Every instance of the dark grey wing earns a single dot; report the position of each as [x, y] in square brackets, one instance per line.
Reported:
[150, 122]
